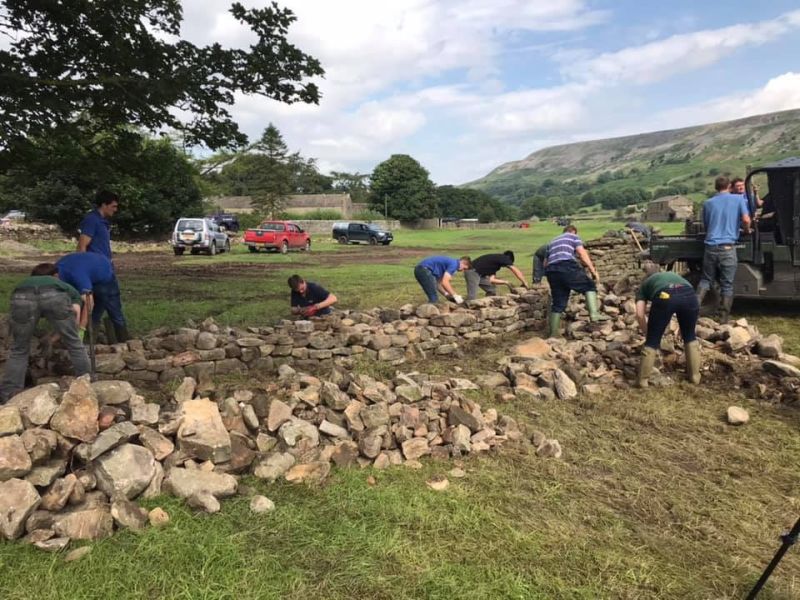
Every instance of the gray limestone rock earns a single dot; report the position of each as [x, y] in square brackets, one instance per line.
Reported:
[14, 459]
[183, 483]
[18, 499]
[125, 471]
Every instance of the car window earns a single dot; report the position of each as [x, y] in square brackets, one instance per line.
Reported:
[196, 224]
[374, 228]
[272, 227]
[353, 227]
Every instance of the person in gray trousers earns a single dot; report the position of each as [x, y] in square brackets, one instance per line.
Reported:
[42, 294]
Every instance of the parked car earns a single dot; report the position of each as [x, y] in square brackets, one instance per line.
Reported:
[226, 221]
[369, 233]
[199, 235]
[277, 235]
[11, 216]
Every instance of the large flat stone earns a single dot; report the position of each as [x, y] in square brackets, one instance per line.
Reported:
[187, 482]
[160, 445]
[18, 499]
[202, 433]
[76, 416]
[113, 392]
[534, 347]
[112, 437]
[45, 474]
[90, 524]
[125, 471]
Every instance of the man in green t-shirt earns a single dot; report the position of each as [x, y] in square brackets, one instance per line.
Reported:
[42, 294]
[668, 294]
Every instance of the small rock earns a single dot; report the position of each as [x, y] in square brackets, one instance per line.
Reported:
[781, 369]
[438, 483]
[158, 517]
[279, 413]
[250, 418]
[145, 414]
[53, 544]
[202, 433]
[10, 420]
[76, 416]
[14, 459]
[737, 415]
[18, 499]
[273, 466]
[77, 553]
[314, 472]
[457, 473]
[204, 501]
[127, 513]
[261, 504]
[91, 524]
[415, 448]
[185, 390]
[186, 482]
[56, 497]
[549, 449]
[37, 405]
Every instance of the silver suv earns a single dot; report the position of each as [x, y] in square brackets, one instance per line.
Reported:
[199, 235]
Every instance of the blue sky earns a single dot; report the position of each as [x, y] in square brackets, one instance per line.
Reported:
[465, 85]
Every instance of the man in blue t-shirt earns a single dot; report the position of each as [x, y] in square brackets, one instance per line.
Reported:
[435, 273]
[722, 215]
[95, 237]
[309, 298]
[93, 276]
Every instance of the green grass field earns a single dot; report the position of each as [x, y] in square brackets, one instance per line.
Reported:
[655, 497]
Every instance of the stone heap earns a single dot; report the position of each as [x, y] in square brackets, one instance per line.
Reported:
[72, 463]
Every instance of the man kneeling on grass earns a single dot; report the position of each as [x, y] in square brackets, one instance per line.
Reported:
[309, 298]
[435, 274]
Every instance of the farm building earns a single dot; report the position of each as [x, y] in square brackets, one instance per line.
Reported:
[298, 203]
[669, 208]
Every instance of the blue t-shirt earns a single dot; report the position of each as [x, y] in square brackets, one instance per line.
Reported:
[563, 248]
[99, 229]
[315, 294]
[84, 270]
[722, 215]
[439, 265]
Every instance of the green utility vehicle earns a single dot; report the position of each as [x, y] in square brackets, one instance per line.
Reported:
[769, 257]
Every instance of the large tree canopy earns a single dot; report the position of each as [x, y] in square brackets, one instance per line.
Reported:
[402, 186]
[99, 64]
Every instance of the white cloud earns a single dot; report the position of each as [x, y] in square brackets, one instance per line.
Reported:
[664, 58]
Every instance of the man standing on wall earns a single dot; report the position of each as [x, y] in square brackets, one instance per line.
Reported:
[722, 215]
[565, 275]
[95, 236]
[484, 270]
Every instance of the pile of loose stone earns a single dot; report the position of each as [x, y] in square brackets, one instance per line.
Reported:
[73, 463]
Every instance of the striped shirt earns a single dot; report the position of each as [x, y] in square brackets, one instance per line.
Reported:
[563, 248]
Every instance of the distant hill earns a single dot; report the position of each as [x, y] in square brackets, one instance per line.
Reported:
[686, 158]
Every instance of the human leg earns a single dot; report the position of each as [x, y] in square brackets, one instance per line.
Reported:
[727, 273]
[56, 308]
[487, 286]
[23, 316]
[473, 280]
[427, 281]
[661, 312]
[559, 294]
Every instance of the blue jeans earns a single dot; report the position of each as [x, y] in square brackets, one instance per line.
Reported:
[719, 264]
[27, 306]
[565, 277]
[107, 298]
[428, 283]
[682, 302]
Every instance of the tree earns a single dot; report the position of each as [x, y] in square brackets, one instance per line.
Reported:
[355, 184]
[468, 203]
[404, 185]
[59, 177]
[92, 66]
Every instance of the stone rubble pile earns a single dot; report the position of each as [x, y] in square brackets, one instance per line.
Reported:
[73, 463]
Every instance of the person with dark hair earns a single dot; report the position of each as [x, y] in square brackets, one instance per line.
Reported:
[668, 294]
[95, 237]
[309, 298]
[435, 273]
[42, 294]
[564, 275]
[722, 215]
[484, 270]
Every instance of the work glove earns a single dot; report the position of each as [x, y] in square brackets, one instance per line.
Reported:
[458, 299]
[310, 311]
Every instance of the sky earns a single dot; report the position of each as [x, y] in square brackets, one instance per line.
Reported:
[466, 85]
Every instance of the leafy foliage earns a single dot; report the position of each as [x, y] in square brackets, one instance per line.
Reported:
[466, 203]
[59, 177]
[355, 184]
[404, 186]
[88, 65]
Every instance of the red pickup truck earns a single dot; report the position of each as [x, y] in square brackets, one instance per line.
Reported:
[277, 235]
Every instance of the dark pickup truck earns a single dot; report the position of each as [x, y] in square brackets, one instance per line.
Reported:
[354, 232]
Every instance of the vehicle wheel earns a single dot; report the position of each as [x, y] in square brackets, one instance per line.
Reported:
[342, 239]
[285, 247]
[227, 246]
[212, 251]
[252, 249]
[386, 243]
[195, 251]
[179, 251]
[373, 241]
[307, 247]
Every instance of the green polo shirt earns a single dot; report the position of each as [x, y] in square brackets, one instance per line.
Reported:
[43, 281]
[651, 286]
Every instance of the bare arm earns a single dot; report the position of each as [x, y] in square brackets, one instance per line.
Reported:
[518, 274]
[446, 285]
[329, 301]
[83, 242]
[88, 305]
[583, 254]
[641, 315]
[746, 220]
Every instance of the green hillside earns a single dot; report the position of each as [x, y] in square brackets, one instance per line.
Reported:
[617, 172]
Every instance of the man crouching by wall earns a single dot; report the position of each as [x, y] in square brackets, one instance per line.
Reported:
[309, 298]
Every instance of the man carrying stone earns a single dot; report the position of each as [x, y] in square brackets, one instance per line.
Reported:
[435, 273]
[42, 294]
[484, 270]
[95, 237]
[722, 215]
[309, 298]
[668, 294]
[564, 275]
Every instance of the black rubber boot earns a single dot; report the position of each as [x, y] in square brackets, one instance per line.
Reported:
[121, 333]
[725, 309]
[108, 328]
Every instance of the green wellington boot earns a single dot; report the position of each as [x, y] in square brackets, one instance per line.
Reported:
[554, 325]
[592, 304]
[693, 361]
[646, 365]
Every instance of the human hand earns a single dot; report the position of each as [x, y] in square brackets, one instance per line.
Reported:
[310, 311]
[458, 299]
